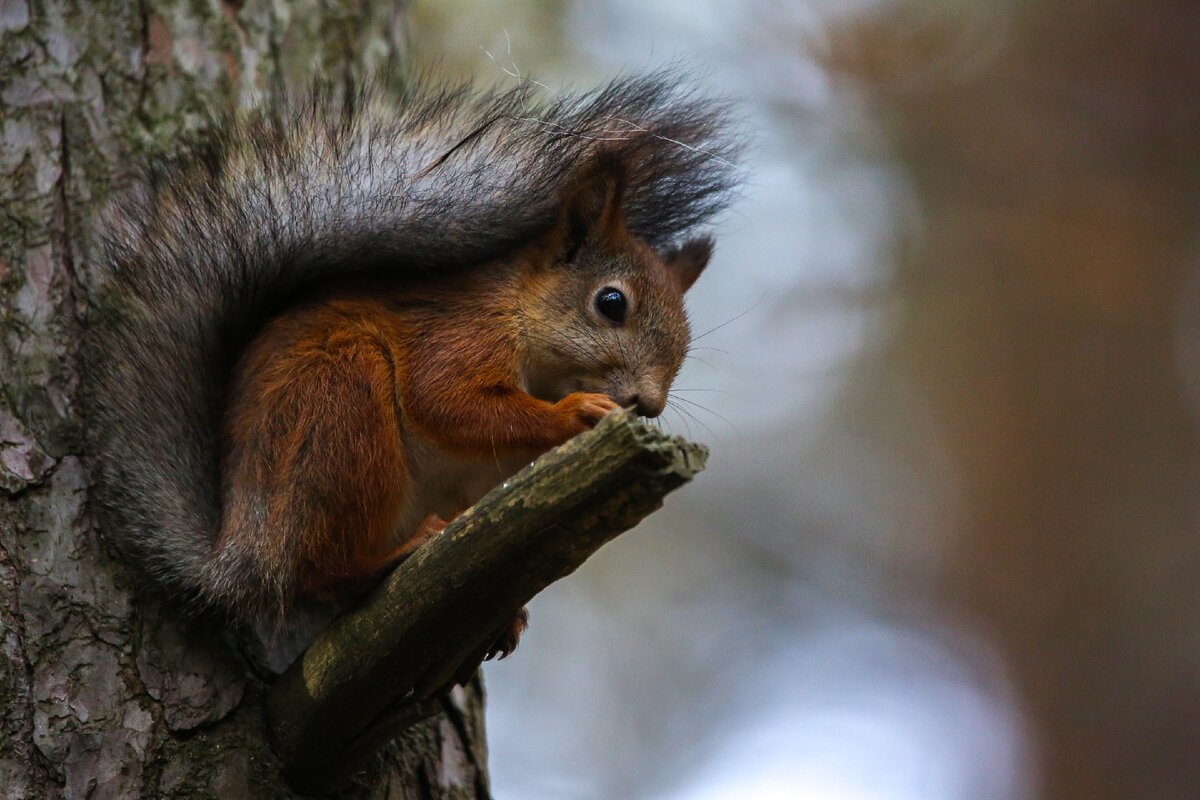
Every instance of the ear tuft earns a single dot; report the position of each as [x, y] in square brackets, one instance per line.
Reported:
[687, 261]
[592, 206]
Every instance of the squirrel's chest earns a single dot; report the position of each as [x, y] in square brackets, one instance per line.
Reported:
[445, 483]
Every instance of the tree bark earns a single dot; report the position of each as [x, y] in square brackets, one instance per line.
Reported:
[431, 622]
[105, 691]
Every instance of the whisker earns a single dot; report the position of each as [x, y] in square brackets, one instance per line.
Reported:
[712, 391]
[713, 349]
[686, 427]
[694, 404]
[689, 415]
[757, 303]
[700, 360]
[686, 415]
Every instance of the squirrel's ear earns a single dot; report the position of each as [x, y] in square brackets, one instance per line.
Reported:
[592, 207]
[687, 261]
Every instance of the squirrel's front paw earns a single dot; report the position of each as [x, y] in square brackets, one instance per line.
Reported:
[586, 408]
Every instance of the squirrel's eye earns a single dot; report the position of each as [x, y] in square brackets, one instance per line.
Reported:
[611, 303]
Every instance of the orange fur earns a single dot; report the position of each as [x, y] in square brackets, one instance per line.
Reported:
[315, 465]
[359, 421]
[325, 400]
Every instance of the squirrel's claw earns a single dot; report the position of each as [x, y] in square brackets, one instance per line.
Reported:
[504, 645]
[507, 642]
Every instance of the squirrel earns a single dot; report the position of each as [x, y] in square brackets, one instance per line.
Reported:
[331, 326]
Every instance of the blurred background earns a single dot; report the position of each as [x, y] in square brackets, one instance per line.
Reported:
[947, 545]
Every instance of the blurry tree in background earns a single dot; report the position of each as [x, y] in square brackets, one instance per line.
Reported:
[1056, 164]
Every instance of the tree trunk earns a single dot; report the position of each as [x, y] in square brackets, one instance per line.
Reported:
[1057, 171]
[105, 691]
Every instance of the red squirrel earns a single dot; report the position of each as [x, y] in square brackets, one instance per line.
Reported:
[329, 331]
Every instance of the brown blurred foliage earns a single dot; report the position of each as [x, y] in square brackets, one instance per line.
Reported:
[1055, 152]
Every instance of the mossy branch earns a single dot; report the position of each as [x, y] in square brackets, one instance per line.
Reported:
[381, 666]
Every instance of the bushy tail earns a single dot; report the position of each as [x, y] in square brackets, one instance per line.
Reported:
[203, 250]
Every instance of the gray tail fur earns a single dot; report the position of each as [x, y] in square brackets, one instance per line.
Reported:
[203, 250]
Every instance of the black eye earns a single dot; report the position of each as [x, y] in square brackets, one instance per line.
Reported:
[611, 303]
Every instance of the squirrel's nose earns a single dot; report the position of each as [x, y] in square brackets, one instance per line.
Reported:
[648, 404]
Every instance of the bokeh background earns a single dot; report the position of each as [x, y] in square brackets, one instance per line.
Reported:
[947, 546]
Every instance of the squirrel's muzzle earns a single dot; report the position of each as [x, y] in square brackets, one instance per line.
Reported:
[646, 403]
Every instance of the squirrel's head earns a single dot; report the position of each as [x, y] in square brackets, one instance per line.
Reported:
[606, 310]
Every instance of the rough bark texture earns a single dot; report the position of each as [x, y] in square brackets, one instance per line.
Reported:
[372, 670]
[104, 691]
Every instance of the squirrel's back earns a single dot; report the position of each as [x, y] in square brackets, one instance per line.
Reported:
[202, 250]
